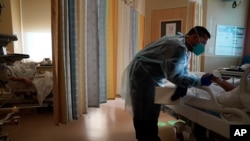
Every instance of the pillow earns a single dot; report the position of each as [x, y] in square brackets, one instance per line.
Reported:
[20, 69]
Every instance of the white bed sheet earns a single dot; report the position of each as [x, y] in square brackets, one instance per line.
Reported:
[208, 98]
[201, 107]
[43, 82]
[215, 109]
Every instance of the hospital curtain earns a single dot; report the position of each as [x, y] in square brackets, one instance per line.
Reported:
[102, 50]
[141, 23]
[130, 35]
[68, 72]
[101, 39]
[118, 35]
[111, 34]
[82, 101]
[92, 54]
[195, 19]
[86, 40]
[101, 44]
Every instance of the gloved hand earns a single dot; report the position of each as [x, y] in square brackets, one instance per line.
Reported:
[206, 79]
[179, 92]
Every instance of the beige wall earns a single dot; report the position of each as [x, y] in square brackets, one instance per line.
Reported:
[36, 29]
[16, 25]
[36, 15]
[152, 5]
[6, 21]
[222, 13]
[159, 16]
[23, 18]
[214, 12]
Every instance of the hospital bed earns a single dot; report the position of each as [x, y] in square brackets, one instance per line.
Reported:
[17, 93]
[21, 94]
[201, 108]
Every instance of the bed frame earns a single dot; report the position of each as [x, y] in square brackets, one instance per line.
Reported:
[207, 113]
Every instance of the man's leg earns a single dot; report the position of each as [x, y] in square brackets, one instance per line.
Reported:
[146, 130]
[145, 112]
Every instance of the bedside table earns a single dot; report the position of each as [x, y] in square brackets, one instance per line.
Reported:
[42, 69]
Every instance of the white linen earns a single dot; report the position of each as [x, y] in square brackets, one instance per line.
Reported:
[163, 95]
[43, 86]
[225, 99]
[43, 83]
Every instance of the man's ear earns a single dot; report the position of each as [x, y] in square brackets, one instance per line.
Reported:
[196, 38]
[193, 36]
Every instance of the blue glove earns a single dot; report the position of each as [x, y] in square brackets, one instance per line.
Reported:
[179, 92]
[206, 79]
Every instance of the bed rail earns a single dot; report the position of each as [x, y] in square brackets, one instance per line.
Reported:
[217, 107]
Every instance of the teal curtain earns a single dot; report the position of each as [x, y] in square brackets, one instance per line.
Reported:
[72, 58]
[92, 54]
[102, 50]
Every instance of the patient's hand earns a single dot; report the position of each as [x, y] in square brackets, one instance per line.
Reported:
[27, 81]
[224, 84]
[216, 79]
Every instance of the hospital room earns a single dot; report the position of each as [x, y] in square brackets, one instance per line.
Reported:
[63, 67]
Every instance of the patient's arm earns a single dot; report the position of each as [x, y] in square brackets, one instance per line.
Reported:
[224, 84]
[22, 79]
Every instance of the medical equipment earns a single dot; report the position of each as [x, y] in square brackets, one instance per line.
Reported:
[5, 58]
[10, 118]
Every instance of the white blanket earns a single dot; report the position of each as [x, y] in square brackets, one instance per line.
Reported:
[225, 99]
[43, 83]
[43, 86]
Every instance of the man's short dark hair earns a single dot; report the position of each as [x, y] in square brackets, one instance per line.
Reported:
[201, 31]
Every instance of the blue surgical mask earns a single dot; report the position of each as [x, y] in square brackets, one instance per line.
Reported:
[199, 49]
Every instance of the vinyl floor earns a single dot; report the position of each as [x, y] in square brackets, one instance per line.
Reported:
[108, 123]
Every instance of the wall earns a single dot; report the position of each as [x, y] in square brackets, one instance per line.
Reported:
[5, 18]
[152, 5]
[214, 12]
[36, 28]
[30, 20]
[222, 13]
[16, 26]
[6, 21]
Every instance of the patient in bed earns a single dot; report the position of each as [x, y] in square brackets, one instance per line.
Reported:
[23, 78]
[235, 96]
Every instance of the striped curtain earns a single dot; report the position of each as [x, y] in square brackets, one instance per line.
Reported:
[67, 46]
[130, 37]
[101, 38]
[91, 48]
[195, 19]
[92, 53]
[111, 34]
[102, 50]
[115, 40]
[120, 26]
